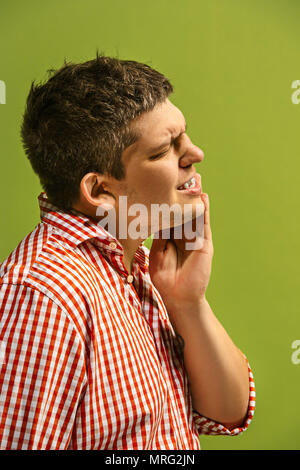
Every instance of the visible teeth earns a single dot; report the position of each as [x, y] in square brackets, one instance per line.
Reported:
[189, 184]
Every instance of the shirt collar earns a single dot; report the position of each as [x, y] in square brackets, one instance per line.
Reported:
[78, 228]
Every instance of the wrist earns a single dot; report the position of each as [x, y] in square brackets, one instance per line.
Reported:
[189, 307]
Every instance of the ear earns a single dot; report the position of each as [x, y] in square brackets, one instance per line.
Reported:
[94, 191]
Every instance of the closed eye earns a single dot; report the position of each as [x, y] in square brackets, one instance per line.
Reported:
[154, 157]
[173, 142]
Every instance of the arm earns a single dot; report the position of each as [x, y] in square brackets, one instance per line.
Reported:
[216, 368]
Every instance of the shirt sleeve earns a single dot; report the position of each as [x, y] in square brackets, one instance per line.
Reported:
[42, 371]
[207, 426]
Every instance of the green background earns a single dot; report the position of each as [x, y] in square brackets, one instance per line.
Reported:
[232, 64]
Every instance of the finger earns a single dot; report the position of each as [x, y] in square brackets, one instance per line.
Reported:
[158, 249]
[158, 243]
[207, 227]
[156, 252]
[163, 262]
[170, 257]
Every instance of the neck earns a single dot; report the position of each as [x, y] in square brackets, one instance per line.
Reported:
[129, 247]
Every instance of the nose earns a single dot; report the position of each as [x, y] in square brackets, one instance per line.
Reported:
[192, 155]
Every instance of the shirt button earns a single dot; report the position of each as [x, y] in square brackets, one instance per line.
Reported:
[113, 245]
[130, 278]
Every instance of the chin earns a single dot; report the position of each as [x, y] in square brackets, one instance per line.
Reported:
[188, 213]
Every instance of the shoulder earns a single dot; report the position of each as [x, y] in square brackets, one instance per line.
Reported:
[16, 267]
[44, 262]
[40, 278]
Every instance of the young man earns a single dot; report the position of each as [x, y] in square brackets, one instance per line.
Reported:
[104, 344]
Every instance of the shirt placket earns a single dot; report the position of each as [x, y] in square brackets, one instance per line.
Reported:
[150, 304]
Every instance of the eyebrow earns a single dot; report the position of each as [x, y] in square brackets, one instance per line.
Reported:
[167, 142]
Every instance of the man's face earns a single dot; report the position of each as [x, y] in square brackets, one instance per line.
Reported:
[156, 180]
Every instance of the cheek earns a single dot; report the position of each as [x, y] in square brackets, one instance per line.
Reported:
[159, 181]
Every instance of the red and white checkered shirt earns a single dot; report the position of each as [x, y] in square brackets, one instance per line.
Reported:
[88, 358]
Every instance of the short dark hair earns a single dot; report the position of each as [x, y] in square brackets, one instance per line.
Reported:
[79, 121]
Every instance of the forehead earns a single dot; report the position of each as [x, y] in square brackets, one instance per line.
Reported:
[165, 120]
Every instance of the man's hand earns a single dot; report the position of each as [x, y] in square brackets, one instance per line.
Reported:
[181, 276]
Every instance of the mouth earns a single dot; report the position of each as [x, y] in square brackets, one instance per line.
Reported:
[191, 186]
